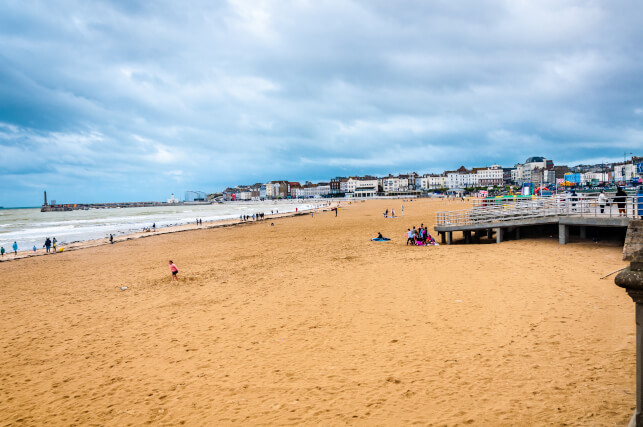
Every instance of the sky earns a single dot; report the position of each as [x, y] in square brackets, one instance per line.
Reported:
[134, 100]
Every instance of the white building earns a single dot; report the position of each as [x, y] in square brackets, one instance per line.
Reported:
[354, 182]
[490, 176]
[624, 173]
[172, 199]
[432, 182]
[516, 173]
[459, 179]
[312, 191]
[600, 177]
[270, 190]
[395, 183]
[524, 171]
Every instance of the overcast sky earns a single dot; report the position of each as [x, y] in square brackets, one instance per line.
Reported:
[126, 100]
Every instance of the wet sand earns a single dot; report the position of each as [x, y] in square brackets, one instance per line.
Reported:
[308, 322]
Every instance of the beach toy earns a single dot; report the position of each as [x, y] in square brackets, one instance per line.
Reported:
[60, 249]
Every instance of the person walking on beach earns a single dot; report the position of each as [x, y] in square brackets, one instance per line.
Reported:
[154, 226]
[602, 201]
[54, 244]
[111, 239]
[2, 251]
[620, 198]
[15, 248]
[174, 271]
[47, 244]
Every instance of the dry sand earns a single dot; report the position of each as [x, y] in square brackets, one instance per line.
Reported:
[308, 322]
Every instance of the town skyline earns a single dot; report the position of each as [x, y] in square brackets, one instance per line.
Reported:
[469, 170]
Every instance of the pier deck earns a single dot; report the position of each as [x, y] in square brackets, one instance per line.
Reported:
[510, 216]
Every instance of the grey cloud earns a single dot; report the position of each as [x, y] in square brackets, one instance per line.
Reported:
[208, 94]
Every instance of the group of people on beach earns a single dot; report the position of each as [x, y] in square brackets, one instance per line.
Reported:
[254, 217]
[419, 236]
[49, 244]
[15, 249]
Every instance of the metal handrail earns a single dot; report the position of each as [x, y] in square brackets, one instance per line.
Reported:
[538, 207]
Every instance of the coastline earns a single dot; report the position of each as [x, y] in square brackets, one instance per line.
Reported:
[91, 243]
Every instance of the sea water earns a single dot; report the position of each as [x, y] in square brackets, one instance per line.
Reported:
[29, 227]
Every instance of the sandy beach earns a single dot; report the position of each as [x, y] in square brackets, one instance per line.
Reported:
[309, 322]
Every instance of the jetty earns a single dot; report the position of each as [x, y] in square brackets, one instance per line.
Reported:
[506, 217]
[59, 207]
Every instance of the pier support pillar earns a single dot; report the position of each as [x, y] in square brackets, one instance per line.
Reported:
[490, 233]
[449, 237]
[563, 234]
[442, 237]
[467, 236]
[583, 232]
[517, 233]
[498, 235]
[476, 236]
[632, 280]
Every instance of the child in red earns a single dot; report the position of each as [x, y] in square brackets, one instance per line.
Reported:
[174, 271]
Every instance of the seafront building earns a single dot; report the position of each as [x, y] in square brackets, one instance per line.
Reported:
[536, 170]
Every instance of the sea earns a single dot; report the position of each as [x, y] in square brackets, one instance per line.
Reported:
[29, 227]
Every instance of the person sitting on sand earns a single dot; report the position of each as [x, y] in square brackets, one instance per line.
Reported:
[174, 271]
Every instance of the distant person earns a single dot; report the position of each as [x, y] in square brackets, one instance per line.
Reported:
[2, 251]
[154, 226]
[111, 239]
[47, 244]
[336, 209]
[602, 201]
[402, 210]
[620, 198]
[379, 235]
[392, 213]
[174, 271]
[34, 249]
[53, 244]
[574, 199]
[15, 248]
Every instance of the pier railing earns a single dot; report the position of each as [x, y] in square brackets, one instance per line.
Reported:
[499, 210]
